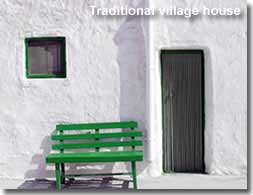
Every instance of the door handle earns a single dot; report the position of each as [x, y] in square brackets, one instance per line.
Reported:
[170, 95]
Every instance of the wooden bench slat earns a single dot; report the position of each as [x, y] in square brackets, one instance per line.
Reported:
[114, 156]
[89, 126]
[99, 135]
[97, 145]
[96, 174]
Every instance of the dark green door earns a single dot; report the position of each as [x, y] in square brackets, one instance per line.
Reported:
[183, 110]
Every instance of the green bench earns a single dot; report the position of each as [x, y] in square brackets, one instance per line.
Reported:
[95, 139]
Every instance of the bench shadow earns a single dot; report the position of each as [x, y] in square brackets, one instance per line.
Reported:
[36, 178]
[109, 183]
[44, 170]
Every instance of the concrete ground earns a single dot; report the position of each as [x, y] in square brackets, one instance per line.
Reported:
[170, 181]
[194, 181]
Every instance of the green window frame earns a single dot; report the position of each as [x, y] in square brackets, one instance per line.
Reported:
[63, 57]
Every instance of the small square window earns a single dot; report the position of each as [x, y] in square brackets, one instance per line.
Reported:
[45, 57]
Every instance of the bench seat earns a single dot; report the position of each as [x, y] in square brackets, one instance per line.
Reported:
[115, 156]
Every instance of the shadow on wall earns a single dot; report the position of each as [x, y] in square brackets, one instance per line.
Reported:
[39, 159]
[44, 170]
[209, 112]
[130, 40]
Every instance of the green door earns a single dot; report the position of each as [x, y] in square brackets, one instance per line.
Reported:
[183, 110]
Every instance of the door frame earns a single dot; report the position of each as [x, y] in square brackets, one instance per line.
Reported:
[183, 51]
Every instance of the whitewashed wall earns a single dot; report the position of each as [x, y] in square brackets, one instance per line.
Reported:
[105, 77]
[224, 41]
[112, 68]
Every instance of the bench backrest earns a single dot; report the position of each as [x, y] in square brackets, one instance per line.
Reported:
[96, 135]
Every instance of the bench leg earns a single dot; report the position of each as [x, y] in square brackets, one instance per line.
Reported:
[134, 174]
[62, 173]
[58, 176]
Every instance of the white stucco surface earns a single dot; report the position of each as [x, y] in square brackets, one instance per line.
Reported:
[113, 73]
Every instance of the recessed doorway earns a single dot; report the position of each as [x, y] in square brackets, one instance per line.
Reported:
[182, 74]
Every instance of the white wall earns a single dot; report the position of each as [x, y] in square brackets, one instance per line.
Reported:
[105, 77]
[112, 68]
[224, 41]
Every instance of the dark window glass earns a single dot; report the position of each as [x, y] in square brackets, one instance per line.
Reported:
[46, 57]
